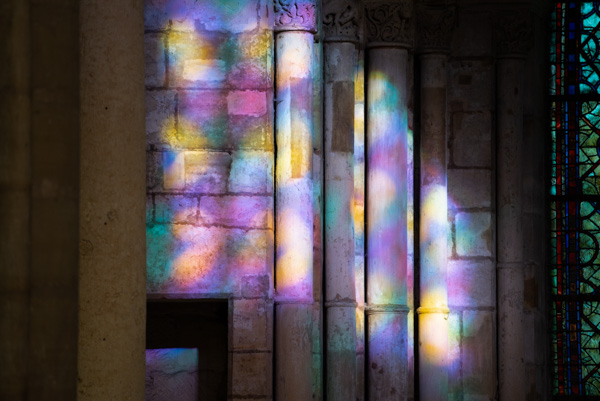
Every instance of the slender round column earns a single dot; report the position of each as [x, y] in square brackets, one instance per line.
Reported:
[340, 26]
[294, 25]
[512, 46]
[112, 261]
[435, 28]
[388, 28]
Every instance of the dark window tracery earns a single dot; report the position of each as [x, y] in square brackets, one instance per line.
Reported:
[575, 199]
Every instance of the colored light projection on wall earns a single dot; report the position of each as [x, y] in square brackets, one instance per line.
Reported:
[209, 126]
[209, 121]
[575, 199]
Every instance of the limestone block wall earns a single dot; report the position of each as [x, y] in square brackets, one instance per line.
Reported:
[471, 208]
[209, 125]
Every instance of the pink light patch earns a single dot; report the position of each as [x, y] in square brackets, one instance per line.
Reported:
[247, 103]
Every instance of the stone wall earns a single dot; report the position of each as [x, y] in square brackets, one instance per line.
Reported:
[209, 124]
[471, 207]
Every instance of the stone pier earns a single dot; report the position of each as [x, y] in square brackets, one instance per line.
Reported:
[112, 259]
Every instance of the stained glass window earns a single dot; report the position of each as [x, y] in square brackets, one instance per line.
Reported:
[575, 199]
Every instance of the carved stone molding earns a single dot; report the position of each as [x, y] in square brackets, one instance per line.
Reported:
[390, 23]
[341, 20]
[295, 15]
[514, 34]
[435, 28]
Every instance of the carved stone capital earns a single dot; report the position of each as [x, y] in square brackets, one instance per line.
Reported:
[513, 34]
[295, 15]
[341, 20]
[390, 23]
[435, 29]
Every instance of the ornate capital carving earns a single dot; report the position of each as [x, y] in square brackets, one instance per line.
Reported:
[435, 28]
[295, 15]
[341, 20]
[513, 34]
[390, 23]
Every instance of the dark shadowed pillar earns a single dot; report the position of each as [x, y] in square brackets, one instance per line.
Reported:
[389, 37]
[295, 24]
[512, 43]
[340, 28]
[15, 192]
[112, 288]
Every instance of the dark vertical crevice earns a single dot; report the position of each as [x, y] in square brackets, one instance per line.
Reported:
[417, 217]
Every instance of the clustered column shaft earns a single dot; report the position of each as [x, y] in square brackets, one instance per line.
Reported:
[433, 310]
[294, 25]
[388, 28]
[340, 299]
[112, 261]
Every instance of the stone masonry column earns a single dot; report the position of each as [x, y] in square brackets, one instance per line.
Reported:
[112, 260]
[388, 34]
[512, 43]
[340, 28]
[435, 30]
[295, 24]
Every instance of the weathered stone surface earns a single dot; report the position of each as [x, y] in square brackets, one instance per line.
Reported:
[154, 171]
[471, 85]
[160, 118]
[471, 283]
[212, 60]
[149, 209]
[239, 211]
[473, 234]
[173, 166]
[252, 172]
[207, 172]
[471, 139]
[256, 286]
[247, 103]
[469, 188]
[474, 39]
[250, 328]
[175, 209]
[253, 63]
[203, 119]
[251, 374]
[454, 356]
[172, 375]
[155, 62]
[533, 230]
[478, 358]
[189, 259]
[190, 15]
[195, 60]
[247, 132]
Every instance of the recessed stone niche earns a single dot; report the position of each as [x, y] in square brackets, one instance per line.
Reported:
[186, 350]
